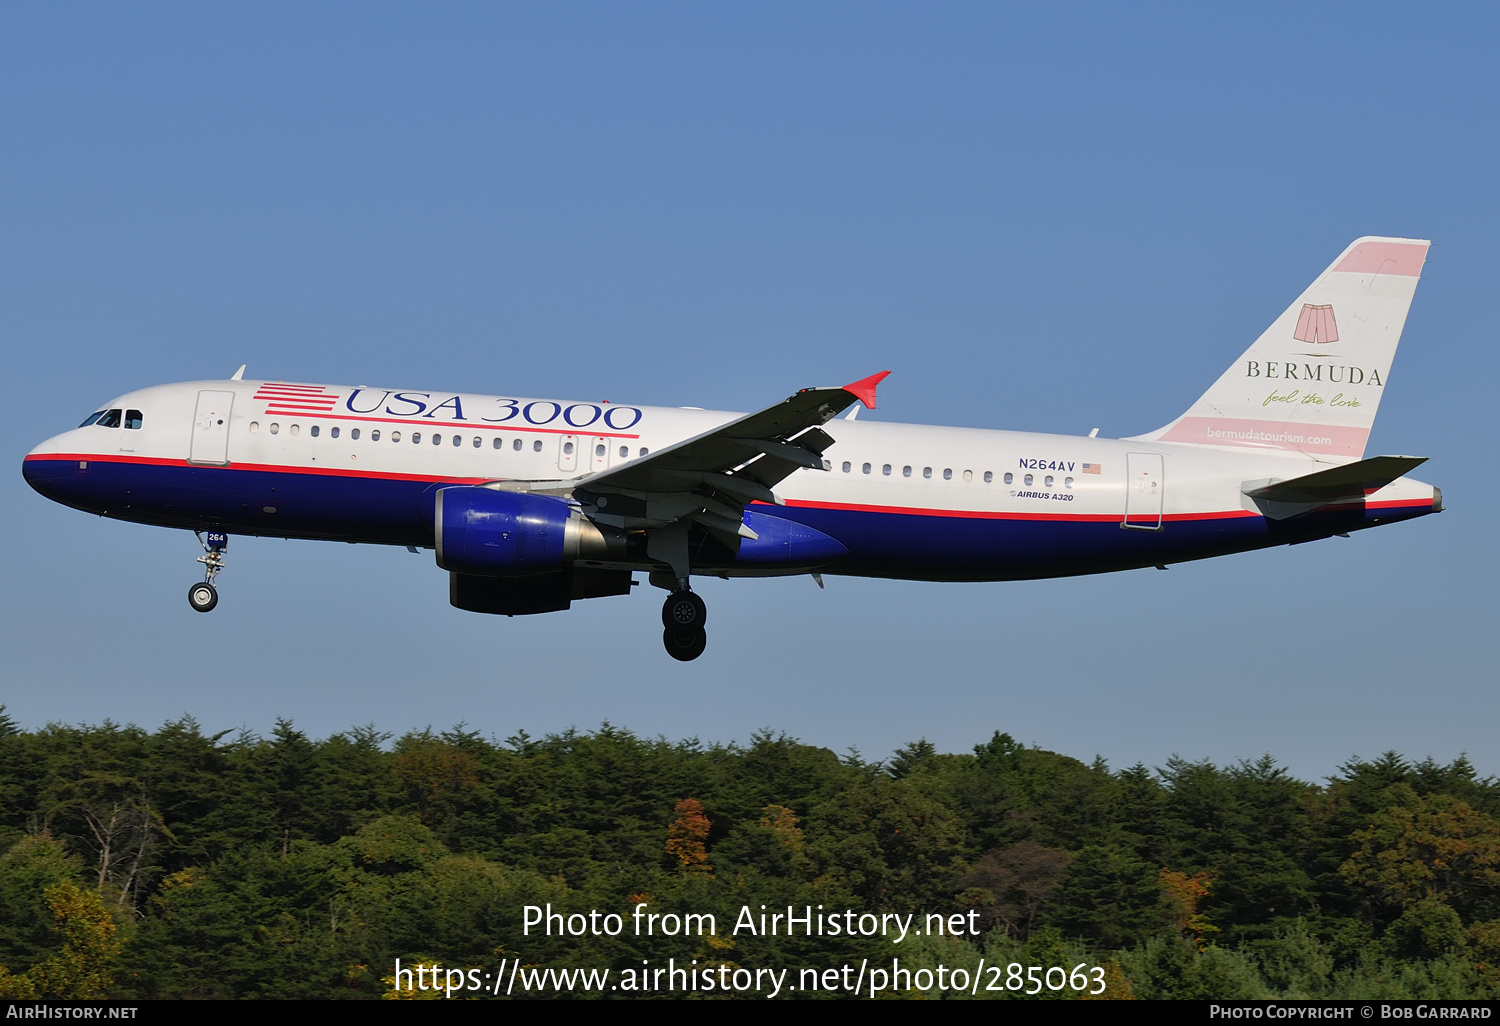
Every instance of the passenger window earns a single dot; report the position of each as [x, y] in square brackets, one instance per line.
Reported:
[1010, 478]
[110, 419]
[354, 434]
[478, 442]
[313, 431]
[1067, 482]
[458, 440]
[93, 418]
[968, 475]
[567, 448]
[275, 429]
[947, 474]
[375, 435]
[989, 476]
[295, 430]
[624, 451]
[906, 472]
[1028, 480]
[847, 466]
[1047, 481]
[333, 432]
[927, 472]
[254, 426]
[644, 450]
[886, 470]
[133, 419]
[416, 438]
[866, 468]
[395, 436]
[536, 446]
[516, 445]
[499, 443]
[599, 450]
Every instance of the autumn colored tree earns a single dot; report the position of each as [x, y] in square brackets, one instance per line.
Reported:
[83, 969]
[687, 837]
[438, 776]
[1013, 883]
[1183, 893]
[1436, 847]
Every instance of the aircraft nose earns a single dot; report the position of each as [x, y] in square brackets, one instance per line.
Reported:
[48, 470]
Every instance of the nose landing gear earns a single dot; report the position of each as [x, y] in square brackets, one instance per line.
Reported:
[204, 596]
[683, 616]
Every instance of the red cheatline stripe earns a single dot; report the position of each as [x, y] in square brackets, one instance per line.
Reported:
[1393, 503]
[293, 388]
[263, 467]
[280, 407]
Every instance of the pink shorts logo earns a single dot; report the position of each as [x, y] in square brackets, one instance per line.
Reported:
[1316, 324]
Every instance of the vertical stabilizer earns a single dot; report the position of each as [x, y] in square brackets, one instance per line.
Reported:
[1312, 382]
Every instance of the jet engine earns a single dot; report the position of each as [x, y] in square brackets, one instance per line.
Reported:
[492, 533]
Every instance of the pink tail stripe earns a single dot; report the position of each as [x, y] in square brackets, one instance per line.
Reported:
[1403, 258]
[1333, 439]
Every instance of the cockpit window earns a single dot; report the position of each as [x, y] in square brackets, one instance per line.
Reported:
[111, 418]
[93, 418]
[133, 419]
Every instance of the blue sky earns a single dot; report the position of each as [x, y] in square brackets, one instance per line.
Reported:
[1040, 219]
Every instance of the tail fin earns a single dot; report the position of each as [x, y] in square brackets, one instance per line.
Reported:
[1312, 382]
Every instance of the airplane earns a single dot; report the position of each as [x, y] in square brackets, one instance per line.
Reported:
[531, 504]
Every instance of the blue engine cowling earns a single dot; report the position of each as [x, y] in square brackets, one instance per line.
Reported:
[505, 534]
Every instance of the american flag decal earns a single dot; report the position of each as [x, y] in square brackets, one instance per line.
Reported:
[307, 399]
[1092, 468]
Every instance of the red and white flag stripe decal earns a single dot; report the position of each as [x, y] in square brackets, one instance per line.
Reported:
[281, 398]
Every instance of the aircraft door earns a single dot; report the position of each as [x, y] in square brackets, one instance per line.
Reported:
[599, 453]
[1143, 491]
[210, 442]
[567, 452]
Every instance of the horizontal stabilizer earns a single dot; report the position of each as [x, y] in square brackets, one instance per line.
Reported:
[1348, 483]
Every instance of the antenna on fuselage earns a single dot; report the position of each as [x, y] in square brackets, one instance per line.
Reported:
[238, 375]
[1093, 432]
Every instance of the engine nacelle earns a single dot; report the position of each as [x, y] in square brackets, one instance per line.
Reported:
[488, 532]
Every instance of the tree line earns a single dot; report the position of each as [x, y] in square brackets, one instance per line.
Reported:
[181, 864]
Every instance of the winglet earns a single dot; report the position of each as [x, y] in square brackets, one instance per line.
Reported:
[239, 375]
[864, 388]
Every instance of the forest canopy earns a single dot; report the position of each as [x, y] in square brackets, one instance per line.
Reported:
[180, 864]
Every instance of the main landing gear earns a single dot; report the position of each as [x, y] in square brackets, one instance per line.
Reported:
[204, 596]
[682, 617]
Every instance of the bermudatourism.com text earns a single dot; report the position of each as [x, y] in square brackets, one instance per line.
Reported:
[868, 978]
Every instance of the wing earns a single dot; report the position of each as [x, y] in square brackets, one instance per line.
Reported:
[709, 479]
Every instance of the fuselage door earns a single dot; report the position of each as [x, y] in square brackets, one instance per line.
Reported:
[567, 452]
[211, 428]
[599, 454]
[1143, 491]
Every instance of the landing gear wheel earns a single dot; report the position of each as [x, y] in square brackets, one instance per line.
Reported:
[684, 646]
[203, 596]
[684, 611]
